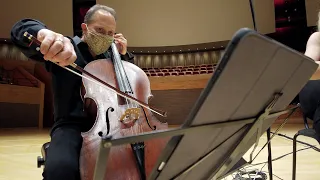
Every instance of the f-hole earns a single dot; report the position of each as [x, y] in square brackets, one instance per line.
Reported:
[100, 133]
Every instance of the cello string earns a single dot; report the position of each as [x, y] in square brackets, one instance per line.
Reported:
[120, 66]
[123, 84]
[122, 73]
[120, 81]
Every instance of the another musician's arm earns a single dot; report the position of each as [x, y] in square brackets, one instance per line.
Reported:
[33, 27]
[313, 51]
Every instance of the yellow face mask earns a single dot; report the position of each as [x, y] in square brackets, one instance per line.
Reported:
[98, 43]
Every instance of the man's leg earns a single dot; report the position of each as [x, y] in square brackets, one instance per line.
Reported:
[316, 121]
[310, 102]
[62, 158]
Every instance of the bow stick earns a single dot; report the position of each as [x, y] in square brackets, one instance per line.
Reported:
[97, 80]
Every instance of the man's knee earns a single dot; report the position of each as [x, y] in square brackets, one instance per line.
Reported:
[61, 169]
[309, 98]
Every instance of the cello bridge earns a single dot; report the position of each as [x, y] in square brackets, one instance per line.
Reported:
[130, 114]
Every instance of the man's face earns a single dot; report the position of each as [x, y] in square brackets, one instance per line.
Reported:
[102, 23]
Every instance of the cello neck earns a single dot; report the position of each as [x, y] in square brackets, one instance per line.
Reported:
[122, 78]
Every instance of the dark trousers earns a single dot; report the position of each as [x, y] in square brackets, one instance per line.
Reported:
[309, 98]
[62, 158]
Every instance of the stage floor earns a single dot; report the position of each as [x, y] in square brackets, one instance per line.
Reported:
[19, 149]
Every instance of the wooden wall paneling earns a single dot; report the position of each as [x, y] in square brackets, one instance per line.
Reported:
[157, 61]
[19, 94]
[165, 60]
[181, 60]
[177, 59]
[149, 62]
[176, 95]
[17, 115]
[20, 97]
[197, 59]
[44, 76]
[41, 87]
[176, 102]
[214, 57]
[173, 60]
[179, 82]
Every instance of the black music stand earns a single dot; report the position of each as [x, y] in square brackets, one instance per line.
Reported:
[253, 84]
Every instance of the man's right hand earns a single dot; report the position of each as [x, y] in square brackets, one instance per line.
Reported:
[56, 48]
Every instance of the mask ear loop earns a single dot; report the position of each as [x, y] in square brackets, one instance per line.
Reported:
[89, 31]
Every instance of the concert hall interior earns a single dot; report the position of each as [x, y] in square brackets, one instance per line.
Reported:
[178, 45]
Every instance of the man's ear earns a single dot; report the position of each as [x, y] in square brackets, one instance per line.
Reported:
[84, 27]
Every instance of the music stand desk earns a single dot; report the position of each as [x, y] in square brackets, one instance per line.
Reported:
[253, 84]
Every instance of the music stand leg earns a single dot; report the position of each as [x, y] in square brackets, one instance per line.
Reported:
[101, 163]
[294, 163]
[269, 155]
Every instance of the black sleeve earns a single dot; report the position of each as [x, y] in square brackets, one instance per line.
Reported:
[128, 57]
[32, 26]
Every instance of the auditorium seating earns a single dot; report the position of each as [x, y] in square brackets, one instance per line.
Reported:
[191, 63]
[181, 70]
[177, 59]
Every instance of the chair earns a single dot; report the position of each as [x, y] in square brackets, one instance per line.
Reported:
[210, 71]
[308, 132]
[166, 74]
[164, 70]
[157, 70]
[189, 72]
[41, 160]
[159, 74]
[203, 71]
[174, 73]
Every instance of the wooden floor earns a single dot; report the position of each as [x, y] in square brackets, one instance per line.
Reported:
[19, 149]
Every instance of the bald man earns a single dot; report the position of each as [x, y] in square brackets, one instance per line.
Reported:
[62, 159]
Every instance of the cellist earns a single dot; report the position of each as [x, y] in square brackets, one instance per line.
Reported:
[62, 159]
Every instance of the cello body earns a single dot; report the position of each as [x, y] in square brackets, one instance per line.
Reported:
[107, 108]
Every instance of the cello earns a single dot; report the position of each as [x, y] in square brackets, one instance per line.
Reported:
[117, 93]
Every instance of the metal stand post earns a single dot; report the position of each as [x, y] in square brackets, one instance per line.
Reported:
[269, 155]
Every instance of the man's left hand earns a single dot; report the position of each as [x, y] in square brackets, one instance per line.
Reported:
[121, 43]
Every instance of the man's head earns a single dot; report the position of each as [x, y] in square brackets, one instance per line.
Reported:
[99, 27]
[101, 19]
